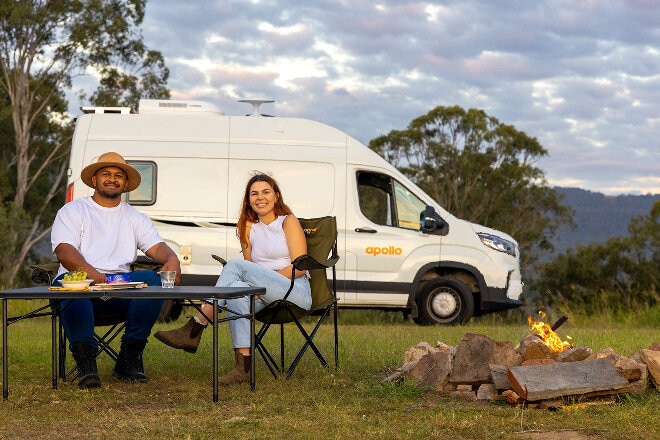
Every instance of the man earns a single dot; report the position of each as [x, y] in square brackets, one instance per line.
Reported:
[100, 235]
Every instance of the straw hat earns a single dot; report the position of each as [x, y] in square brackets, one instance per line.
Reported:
[111, 160]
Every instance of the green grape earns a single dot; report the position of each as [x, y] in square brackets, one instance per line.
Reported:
[78, 275]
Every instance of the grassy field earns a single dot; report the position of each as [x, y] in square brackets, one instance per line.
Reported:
[352, 403]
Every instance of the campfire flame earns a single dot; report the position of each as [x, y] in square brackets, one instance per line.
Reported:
[547, 334]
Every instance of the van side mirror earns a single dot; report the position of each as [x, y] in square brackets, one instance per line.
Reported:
[430, 222]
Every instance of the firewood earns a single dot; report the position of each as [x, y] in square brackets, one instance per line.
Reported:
[549, 381]
[559, 323]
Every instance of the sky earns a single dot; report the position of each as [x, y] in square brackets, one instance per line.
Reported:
[582, 77]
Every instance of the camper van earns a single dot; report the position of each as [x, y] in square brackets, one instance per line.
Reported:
[398, 248]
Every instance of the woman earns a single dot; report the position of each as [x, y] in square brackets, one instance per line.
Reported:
[271, 238]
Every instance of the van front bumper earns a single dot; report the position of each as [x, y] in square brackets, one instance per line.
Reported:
[498, 298]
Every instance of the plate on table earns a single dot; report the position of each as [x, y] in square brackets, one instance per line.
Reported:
[118, 286]
[76, 284]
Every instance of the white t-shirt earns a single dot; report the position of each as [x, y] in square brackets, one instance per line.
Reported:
[108, 238]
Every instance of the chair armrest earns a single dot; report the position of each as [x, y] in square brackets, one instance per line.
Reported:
[44, 273]
[146, 264]
[307, 262]
[219, 259]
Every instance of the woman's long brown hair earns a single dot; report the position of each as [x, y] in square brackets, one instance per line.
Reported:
[248, 214]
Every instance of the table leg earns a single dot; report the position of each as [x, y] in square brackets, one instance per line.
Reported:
[5, 379]
[53, 346]
[252, 344]
[215, 351]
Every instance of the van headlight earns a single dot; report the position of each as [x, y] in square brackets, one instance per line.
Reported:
[498, 243]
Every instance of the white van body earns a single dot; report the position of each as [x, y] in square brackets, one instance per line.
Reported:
[195, 162]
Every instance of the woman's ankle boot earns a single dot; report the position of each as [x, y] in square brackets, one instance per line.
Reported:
[185, 338]
[241, 371]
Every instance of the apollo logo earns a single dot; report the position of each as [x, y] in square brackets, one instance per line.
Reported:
[391, 250]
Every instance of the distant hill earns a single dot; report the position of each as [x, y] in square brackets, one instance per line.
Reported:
[598, 216]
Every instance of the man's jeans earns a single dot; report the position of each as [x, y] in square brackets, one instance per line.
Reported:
[140, 315]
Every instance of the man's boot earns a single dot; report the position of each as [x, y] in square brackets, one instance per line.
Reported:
[88, 373]
[186, 338]
[129, 363]
[240, 373]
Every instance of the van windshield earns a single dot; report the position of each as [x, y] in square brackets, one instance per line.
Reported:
[387, 202]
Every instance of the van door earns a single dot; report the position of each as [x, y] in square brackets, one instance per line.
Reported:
[385, 233]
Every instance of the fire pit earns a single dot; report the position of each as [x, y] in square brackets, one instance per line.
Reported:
[542, 370]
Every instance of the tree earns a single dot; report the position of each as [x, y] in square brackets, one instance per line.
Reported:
[18, 231]
[44, 46]
[619, 275]
[480, 170]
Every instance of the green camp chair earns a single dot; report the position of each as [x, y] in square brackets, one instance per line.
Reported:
[321, 255]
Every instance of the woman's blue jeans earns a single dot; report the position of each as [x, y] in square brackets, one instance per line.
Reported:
[243, 273]
[140, 315]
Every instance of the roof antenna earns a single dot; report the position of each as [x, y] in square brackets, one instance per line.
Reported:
[255, 105]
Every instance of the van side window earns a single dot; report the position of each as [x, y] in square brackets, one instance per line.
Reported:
[145, 194]
[375, 197]
[387, 202]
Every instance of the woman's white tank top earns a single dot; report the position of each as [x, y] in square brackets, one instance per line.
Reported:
[269, 246]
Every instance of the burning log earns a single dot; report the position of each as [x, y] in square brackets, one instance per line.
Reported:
[559, 323]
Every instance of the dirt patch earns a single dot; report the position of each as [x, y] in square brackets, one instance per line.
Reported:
[555, 435]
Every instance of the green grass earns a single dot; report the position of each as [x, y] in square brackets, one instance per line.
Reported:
[352, 403]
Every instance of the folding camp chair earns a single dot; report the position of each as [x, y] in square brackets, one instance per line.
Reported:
[321, 234]
[45, 273]
[115, 326]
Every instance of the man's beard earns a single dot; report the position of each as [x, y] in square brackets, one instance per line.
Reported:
[107, 195]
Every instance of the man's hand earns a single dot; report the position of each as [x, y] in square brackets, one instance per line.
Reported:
[163, 254]
[173, 264]
[98, 277]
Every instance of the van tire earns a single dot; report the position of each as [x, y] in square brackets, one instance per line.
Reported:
[445, 301]
[171, 311]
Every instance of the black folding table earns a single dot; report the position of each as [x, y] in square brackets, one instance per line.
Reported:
[209, 293]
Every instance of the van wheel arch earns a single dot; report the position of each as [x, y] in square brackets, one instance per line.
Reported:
[445, 301]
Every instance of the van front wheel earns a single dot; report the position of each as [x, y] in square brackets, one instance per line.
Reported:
[445, 301]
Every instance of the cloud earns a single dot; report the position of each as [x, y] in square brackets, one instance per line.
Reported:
[581, 77]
